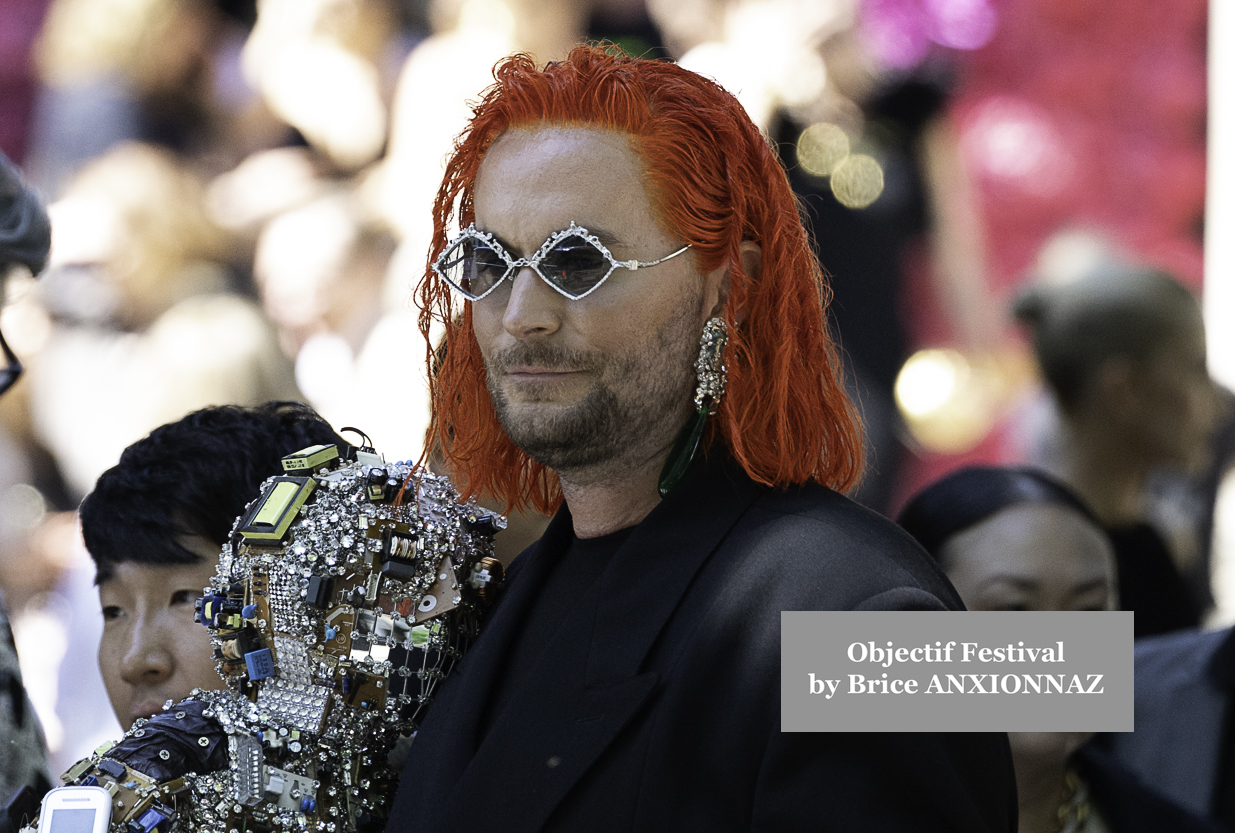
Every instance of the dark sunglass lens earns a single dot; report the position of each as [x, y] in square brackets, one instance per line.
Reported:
[575, 266]
[472, 267]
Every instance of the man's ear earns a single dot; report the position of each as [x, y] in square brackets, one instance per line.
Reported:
[716, 283]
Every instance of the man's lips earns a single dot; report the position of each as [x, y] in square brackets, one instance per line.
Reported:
[537, 373]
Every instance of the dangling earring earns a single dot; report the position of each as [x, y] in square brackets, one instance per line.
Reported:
[710, 370]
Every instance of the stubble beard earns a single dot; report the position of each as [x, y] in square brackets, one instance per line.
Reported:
[633, 411]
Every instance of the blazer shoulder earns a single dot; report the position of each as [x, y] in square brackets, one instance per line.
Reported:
[816, 504]
[833, 540]
[1168, 662]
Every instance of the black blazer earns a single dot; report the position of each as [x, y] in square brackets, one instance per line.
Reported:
[1128, 804]
[656, 704]
[1183, 696]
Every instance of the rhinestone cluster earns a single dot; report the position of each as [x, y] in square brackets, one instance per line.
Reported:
[710, 366]
[333, 640]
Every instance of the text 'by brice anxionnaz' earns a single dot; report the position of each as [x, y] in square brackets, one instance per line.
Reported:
[1026, 680]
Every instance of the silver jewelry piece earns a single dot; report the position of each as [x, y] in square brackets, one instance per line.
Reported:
[710, 366]
[455, 257]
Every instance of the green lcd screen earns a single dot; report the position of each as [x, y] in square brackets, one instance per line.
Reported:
[269, 519]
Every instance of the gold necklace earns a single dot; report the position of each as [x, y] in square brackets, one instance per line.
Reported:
[1074, 809]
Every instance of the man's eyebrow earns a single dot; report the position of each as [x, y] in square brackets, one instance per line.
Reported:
[603, 235]
[497, 239]
[513, 251]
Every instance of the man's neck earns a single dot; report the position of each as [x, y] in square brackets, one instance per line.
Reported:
[615, 498]
[604, 508]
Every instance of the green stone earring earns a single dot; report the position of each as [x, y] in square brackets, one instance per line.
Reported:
[710, 369]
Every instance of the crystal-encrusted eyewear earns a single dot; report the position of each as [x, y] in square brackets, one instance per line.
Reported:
[573, 261]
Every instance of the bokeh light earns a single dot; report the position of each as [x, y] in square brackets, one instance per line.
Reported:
[900, 33]
[1013, 140]
[262, 186]
[24, 321]
[857, 181]
[85, 229]
[766, 52]
[821, 148]
[962, 24]
[301, 57]
[331, 96]
[804, 79]
[949, 403]
[928, 381]
[23, 506]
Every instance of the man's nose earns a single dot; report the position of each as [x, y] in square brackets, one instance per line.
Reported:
[148, 660]
[533, 309]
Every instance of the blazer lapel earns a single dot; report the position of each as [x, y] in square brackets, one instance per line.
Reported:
[588, 683]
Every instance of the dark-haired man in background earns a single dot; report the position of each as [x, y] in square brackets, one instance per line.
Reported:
[155, 525]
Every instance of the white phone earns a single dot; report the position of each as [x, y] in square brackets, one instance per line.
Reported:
[75, 810]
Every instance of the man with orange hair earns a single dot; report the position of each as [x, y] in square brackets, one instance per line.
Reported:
[635, 339]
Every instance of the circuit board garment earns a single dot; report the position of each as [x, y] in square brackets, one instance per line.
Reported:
[349, 590]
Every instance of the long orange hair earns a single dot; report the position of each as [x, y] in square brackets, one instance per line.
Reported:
[714, 181]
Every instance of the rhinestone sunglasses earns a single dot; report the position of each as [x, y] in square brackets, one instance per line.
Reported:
[573, 261]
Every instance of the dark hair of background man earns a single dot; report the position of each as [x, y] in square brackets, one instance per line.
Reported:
[192, 477]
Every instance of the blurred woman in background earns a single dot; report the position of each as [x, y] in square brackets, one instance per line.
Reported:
[1015, 539]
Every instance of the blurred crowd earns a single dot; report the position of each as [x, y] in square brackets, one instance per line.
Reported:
[1007, 194]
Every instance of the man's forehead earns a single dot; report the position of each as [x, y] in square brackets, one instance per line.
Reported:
[562, 137]
[538, 180]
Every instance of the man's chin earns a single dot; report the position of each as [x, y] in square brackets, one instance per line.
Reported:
[536, 429]
[572, 430]
[557, 437]
[534, 416]
[538, 411]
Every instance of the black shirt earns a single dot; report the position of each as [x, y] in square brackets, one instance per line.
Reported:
[578, 567]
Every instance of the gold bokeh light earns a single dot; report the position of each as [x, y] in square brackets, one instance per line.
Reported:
[821, 148]
[857, 181]
[950, 401]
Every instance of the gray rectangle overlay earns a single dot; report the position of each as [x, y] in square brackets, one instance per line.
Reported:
[971, 671]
